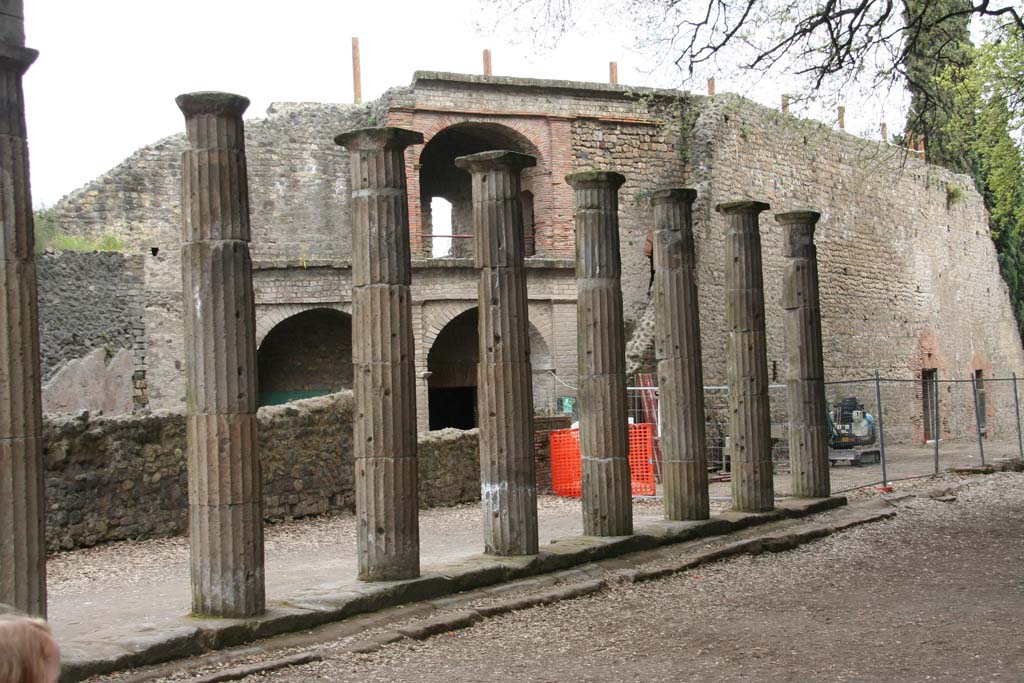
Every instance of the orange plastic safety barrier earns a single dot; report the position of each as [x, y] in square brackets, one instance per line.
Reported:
[567, 470]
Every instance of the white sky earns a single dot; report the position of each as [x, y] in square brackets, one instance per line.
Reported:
[109, 70]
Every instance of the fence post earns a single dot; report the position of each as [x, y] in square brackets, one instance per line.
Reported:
[881, 430]
[936, 425]
[1016, 409]
[977, 418]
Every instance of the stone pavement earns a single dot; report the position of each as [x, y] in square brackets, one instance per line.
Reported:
[127, 604]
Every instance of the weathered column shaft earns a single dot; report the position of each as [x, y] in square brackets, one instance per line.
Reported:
[747, 361]
[805, 364]
[22, 509]
[384, 426]
[508, 481]
[680, 366]
[224, 487]
[604, 435]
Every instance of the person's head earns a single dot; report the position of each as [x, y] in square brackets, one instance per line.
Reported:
[28, 653]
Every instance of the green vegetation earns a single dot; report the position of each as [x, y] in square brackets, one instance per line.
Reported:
[933, 48]
[49, 236]
[982, 128]
[954, 195]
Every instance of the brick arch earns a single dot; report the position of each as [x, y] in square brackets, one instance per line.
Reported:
[980, 361]
[269, 316]
[542, 325]
[534, 131]
[929, 352]
[436, 318]
[531, 131]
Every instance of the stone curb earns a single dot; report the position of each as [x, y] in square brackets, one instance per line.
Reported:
[237, 672]
[190, 636]
[768, 543]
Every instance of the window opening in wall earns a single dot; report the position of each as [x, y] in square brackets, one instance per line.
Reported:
[440, 178]
[979, 382]
[529, 232]
[928, 399]
[441, 227]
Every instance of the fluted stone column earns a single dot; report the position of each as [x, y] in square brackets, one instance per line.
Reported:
[384, 429]
[805, 365]
[747, 361]
[508, 481]
[604, 435]
[22, 509]
[680, 366]
[224, 488]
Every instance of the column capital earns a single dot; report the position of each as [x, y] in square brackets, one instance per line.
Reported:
[809, 216]
[502, 158]
[211, 103]
[596, 179]
[17, 58]
[798, 232]
[741, 207]
[674, 194]
[380, 137]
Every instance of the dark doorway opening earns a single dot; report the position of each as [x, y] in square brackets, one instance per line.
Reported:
[929, 396]
[453, 407]
[452, 361]
[306, 355]
[979, 384]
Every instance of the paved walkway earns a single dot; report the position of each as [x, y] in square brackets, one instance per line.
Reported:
[100, 595]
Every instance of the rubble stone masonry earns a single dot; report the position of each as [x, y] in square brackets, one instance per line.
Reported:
[905, 272]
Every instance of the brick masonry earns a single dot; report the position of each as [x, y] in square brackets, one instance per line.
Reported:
[908, 280]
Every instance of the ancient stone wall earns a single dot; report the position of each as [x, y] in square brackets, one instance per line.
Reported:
[449, 467]
[909, 276]
[298, 181]
[898, 259]
[124, 477]
[87, 300]
[92, 337]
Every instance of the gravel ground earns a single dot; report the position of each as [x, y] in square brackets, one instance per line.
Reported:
[934, 594]
[140, 563]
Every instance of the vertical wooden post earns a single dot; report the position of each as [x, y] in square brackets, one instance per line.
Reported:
[613, 73]
[357, 73]
[487, 62]
[711, 87]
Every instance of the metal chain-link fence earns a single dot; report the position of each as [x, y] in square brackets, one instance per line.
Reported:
[881, 429]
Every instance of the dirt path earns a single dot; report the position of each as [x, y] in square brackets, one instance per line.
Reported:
[936, 594]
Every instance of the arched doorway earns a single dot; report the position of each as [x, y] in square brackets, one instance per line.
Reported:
[440, 178]
[308, 354]
[452, 361]
[542, 363]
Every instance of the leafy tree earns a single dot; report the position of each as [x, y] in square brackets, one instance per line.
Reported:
[930, 53]
[984, 126]
[827, 45]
